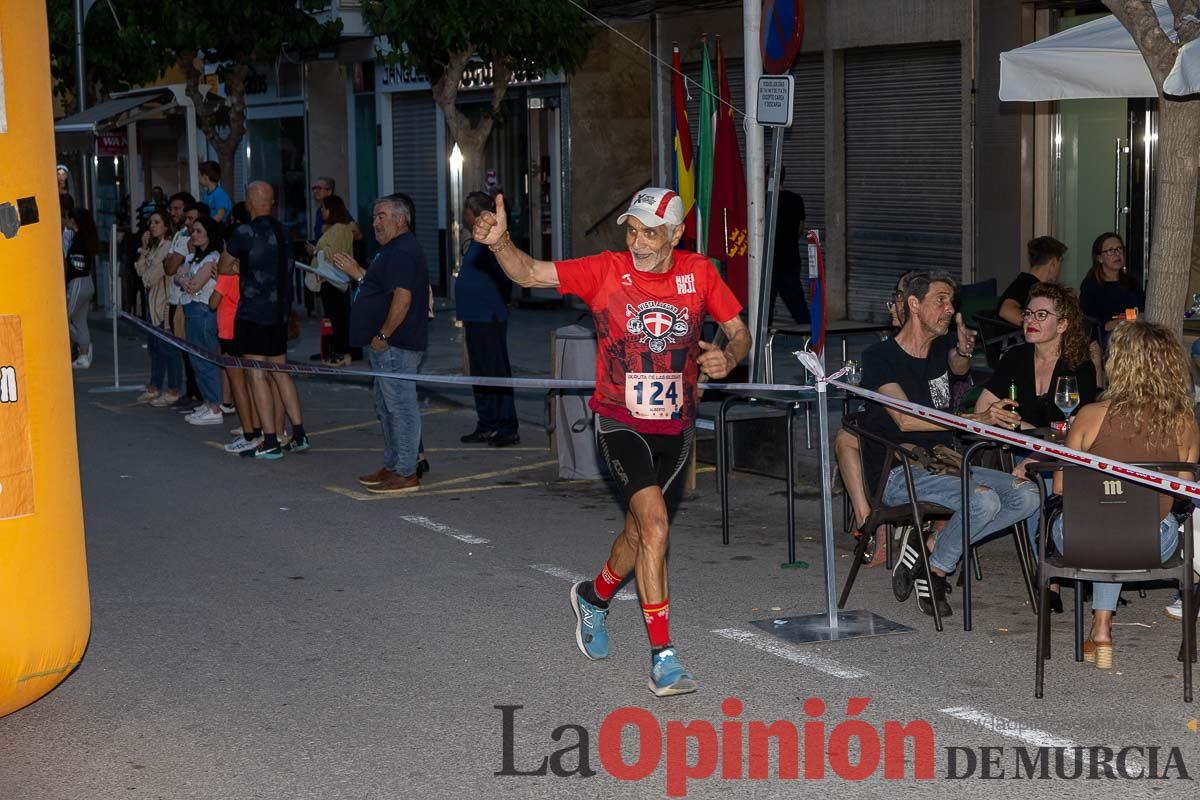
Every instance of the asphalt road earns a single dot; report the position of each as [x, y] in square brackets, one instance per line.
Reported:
[269, 630]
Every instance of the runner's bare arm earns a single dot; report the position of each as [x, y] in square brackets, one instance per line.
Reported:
[718, 363]
[491, 229]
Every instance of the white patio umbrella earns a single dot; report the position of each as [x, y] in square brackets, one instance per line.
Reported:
[1096, 59]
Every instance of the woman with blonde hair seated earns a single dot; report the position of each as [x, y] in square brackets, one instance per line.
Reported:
[1145, 414]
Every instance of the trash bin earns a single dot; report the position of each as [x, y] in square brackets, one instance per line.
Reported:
[573, 422]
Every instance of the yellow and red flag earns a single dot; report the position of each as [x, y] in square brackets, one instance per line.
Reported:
[685, 176]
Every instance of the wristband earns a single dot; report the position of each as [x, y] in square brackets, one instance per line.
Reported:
[505, 241]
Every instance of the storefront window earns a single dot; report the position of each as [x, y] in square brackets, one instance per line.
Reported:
[276, 155]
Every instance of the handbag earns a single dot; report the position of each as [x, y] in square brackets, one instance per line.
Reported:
[941, 460]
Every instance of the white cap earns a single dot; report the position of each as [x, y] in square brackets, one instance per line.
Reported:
[654, 207]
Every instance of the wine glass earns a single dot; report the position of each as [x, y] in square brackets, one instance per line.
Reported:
[1066, 396]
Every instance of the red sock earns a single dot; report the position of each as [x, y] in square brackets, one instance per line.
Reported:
[657, 625]
[606, 583]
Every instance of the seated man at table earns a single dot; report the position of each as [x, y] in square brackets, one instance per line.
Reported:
[915, 365]
[1045, 265]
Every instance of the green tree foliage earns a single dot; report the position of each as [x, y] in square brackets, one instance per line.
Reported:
[440, 39]
[134, 42]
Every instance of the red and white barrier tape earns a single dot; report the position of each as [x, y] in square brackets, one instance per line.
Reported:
[1155, 480]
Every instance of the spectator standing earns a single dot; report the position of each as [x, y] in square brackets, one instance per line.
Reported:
[197, 279]
[1045, 266]
[336, 237]
[224, 301]
[481, 294]
[215, 196]
[80, 263]
[184, 212]
[264, 264]
[786, 278]
[322, 187]
[388, 319]
[166, 373]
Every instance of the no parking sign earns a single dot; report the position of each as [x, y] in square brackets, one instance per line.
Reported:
[782, 32]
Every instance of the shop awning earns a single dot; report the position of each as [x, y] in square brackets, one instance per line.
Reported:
[112, 113]
[1096, 59]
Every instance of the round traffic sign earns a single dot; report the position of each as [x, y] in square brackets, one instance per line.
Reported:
[782, 32]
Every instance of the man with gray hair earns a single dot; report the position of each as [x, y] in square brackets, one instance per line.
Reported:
[916, 365]
[388, 320]
[322, 187]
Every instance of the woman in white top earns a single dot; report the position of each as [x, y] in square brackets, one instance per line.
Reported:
[166, 368]
[196, 280]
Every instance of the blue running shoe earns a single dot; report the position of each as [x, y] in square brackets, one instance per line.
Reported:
[668, 677]
[590, 633]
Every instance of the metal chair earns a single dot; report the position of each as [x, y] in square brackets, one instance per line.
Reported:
[914, 513]
[1111, 534]
[999, 335]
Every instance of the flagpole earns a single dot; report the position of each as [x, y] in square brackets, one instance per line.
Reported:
[752, 66]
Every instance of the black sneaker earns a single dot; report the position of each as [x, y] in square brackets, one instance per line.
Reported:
[504, 440]
[935, 587]
[477, 437]
[908, 565]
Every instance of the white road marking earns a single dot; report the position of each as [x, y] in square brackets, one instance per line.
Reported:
[454, 533]
[796, 655]
[1014, 729]
[572, 577]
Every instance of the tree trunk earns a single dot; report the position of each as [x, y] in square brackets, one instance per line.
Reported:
[1174, 213]
[207, 112]
[470, 138]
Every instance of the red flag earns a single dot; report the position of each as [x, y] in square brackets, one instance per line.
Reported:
[728, 238]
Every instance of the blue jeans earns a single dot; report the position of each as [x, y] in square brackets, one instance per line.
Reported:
[1105, 595]
[166, 365]
[397, 409]
[998, 501]
[200, 322]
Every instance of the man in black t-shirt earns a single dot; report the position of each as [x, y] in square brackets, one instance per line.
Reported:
[1045, 265]
[259, 253]
[916, 365]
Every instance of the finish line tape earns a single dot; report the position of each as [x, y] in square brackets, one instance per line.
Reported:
[235, 362]
[1147, 477]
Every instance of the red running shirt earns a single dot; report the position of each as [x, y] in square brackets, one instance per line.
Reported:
[648, 328]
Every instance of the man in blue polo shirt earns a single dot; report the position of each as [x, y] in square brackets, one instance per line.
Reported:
[481, 294]
[388, 320]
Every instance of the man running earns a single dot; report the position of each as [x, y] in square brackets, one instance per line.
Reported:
[648, 304]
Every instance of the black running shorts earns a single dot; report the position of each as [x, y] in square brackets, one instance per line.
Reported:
[259, 340]
[637, 460]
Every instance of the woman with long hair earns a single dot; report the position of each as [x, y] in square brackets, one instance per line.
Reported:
[197, 278]
[79, 262]
[1056, 345]
[1108, 289]
[1145, 414]
[337, 236]
[166, 365]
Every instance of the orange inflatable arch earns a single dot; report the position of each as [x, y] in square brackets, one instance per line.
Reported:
[44, 611]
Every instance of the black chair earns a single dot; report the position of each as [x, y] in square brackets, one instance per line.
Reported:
[1111, 535]
[999, 335]
[914, 513]
[1018, 531]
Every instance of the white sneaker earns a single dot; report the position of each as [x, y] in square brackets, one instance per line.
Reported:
[206, 416]
[84, 361]
[193, 410]
[1175, 610]
[241, 444]
[147, 397]
[237, 431]
[163, 400]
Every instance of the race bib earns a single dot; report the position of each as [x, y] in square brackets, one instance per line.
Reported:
[653, 395]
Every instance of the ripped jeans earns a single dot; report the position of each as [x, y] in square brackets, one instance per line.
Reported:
[999, 500]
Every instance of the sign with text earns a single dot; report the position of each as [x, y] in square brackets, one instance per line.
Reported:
[16, 449]
[775, 100]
